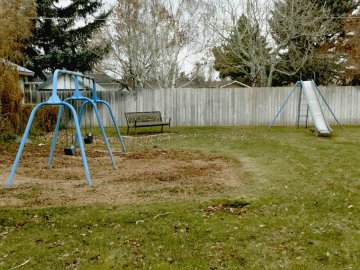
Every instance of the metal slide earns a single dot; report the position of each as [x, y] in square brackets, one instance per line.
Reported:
[321, 125]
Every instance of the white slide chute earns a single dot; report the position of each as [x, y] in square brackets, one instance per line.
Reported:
[322, 127]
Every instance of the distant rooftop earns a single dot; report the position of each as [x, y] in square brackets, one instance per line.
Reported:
[185, 83]
[21, 70]
[102, 78]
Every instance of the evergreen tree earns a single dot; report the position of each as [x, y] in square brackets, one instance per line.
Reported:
[351, 48]
[345, 40]
[338, 9]
[61, 36]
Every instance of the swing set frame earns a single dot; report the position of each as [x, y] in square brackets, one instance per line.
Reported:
[54, 100]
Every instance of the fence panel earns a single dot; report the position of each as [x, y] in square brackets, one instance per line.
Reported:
[227, 106]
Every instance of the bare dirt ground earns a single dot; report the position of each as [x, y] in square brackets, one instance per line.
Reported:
[149, 174]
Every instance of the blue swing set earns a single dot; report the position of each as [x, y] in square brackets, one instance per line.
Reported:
[54, 100]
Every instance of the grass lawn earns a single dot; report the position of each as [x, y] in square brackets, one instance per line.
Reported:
[298, 208]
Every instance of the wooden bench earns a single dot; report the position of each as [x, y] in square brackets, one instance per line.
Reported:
[145, 119]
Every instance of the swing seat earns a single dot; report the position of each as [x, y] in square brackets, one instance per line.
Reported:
[69, 151]
[88, 139]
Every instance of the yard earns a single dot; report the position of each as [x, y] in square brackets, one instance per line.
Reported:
[195, 198]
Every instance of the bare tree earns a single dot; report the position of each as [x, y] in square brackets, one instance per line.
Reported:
[15, 28]
[298, 28]
[128, 57]
[269, 31]
[150, 39]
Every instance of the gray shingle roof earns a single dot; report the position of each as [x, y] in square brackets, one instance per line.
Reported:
[21, 70]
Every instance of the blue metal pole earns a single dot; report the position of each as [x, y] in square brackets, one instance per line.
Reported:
[97, 100]
[327, 105]
[298, 108]
[94, 95]
[103, 132]
[115, 124]
[57, 127]
[282, 107]
[82, 149]
[81, 112]
[77, 93]
[54, 97]
[22, 143]
[100, 124]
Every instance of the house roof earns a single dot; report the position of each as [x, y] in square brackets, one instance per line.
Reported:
[21, 70]
[185, 83]
[24, 71]
[65, 83]
[103, 78]
[228, 84]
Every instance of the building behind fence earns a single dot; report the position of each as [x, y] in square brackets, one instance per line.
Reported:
[219, 107]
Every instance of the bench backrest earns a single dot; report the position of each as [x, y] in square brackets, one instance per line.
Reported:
[154, 116]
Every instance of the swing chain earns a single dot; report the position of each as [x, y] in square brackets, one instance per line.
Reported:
[69, 150]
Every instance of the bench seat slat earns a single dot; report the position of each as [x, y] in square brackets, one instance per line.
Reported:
[148, 124]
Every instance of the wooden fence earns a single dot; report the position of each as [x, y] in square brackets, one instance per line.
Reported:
[220, 107]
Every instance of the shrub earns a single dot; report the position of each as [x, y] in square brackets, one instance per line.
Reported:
[45, 118]
[10, 102]
[14, 115]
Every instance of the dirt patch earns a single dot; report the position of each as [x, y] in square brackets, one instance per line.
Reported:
[150, 174]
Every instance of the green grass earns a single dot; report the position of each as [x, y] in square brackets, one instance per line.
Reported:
[298, 209]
